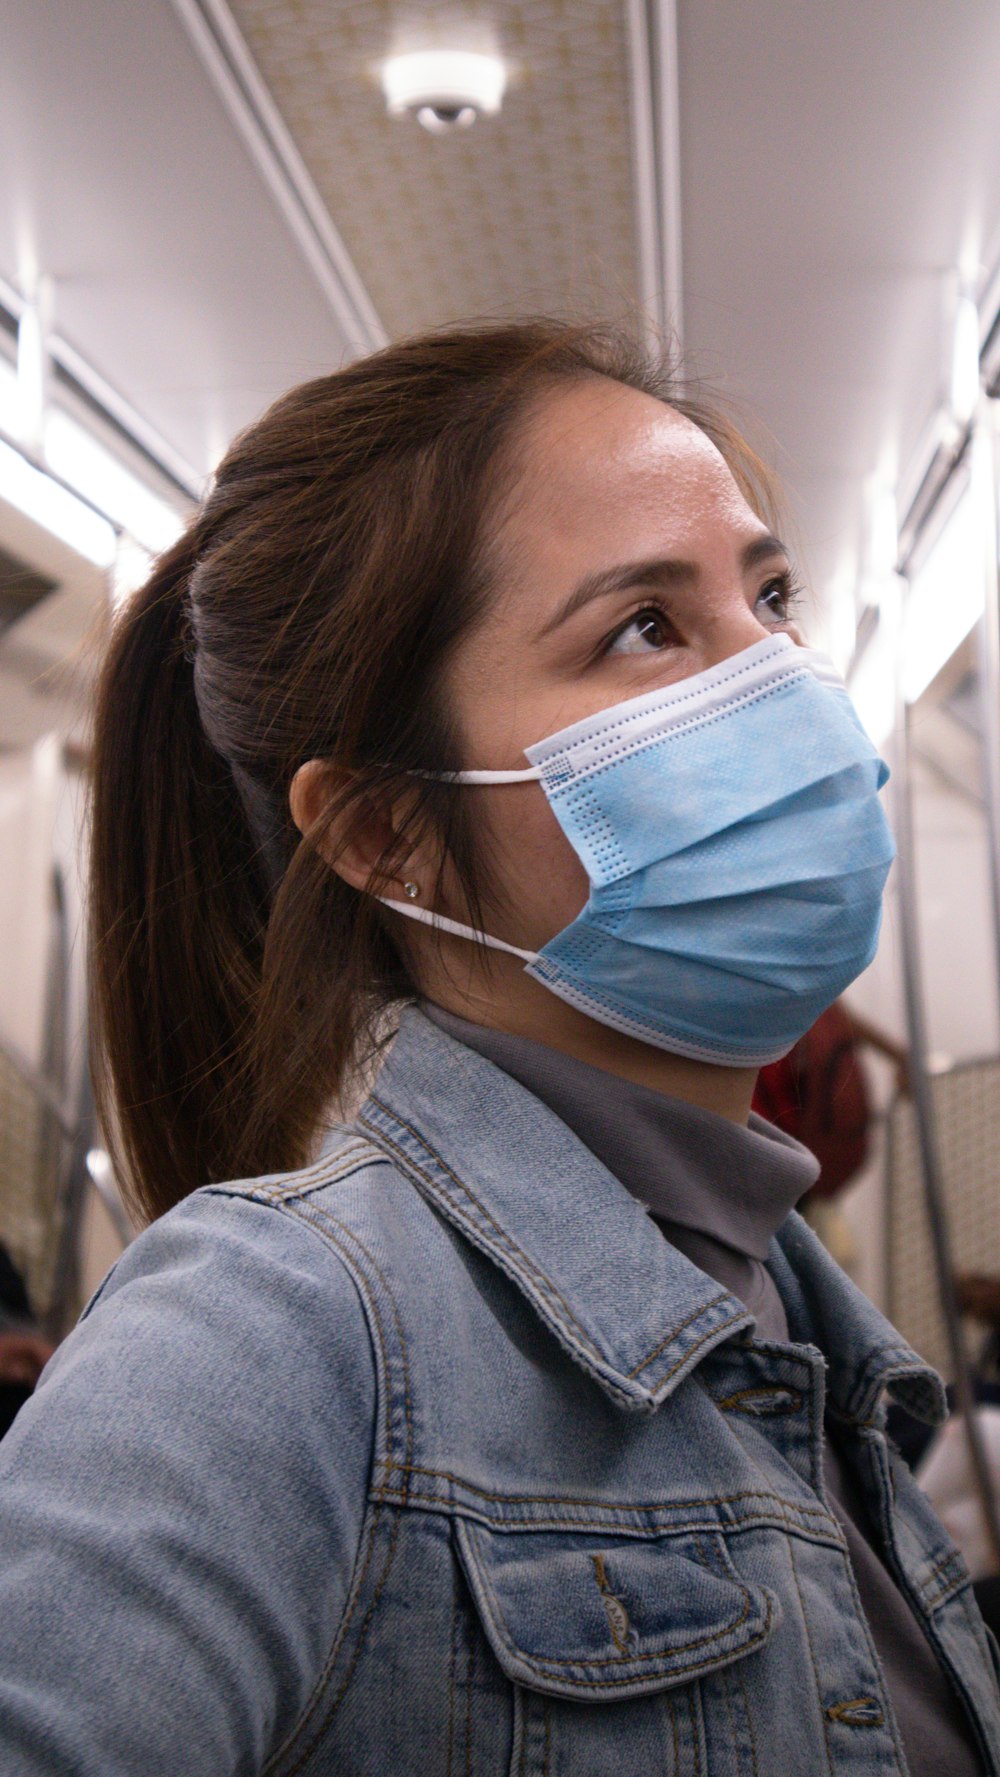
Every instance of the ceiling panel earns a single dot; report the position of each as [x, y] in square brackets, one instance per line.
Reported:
[530, 209]
[838, 160]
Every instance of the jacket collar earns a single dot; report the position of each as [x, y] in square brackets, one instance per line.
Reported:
[515, 1180]
[864, 1352]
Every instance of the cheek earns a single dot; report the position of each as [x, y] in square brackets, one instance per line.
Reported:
[544, 883]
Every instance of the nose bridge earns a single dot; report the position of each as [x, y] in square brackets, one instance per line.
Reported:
[730, 625]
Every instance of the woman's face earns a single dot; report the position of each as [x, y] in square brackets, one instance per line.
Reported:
[610, 479]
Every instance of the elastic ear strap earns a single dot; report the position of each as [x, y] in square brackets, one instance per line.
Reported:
[486, 777]
[443, 924]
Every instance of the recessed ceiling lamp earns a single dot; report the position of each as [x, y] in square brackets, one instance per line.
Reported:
[445, 89]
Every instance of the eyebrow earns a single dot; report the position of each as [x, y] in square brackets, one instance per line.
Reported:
[664, 571]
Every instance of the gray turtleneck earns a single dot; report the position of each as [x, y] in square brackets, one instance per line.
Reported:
[719, 1190]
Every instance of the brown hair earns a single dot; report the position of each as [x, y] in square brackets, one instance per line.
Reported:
[306, 612]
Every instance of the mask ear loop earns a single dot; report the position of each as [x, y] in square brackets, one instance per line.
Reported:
[440, 921]
[443, 924]
[484, 777]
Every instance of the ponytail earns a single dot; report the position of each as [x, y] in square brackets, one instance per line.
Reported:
[178, 908]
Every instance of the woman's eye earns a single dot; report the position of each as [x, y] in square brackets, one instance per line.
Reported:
[647, 631]
[777, 600]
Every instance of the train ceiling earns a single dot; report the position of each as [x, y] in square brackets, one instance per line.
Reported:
[838, 162]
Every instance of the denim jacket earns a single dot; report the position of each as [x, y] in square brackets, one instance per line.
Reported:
[435, 1459]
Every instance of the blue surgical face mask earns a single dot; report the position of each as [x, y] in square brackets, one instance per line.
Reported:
[736, 849]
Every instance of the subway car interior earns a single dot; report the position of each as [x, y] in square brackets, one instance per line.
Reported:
[796, 203]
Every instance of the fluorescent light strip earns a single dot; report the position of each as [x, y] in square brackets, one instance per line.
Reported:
[873, 692]
[943, 602]
[111, 497]
[113, 406]
[76, 458]
[946, 597]
[57, 510]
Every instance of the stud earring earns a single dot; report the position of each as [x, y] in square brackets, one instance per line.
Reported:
[412, 889]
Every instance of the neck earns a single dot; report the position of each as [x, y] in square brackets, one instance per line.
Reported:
[511, 1001]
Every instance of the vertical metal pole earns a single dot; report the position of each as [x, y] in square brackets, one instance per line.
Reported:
[668, 144]
[76, 1186]
[651, 27]
[930, 1157]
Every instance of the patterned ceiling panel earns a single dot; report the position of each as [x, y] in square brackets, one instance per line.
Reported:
[528, 210]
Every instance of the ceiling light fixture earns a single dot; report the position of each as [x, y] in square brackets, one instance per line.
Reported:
[33, 365]
[53, 507]
[93, 472]
[55, 472]
[965, 379]
[445, 90]
[947, 594]
[43, 483]
[873, 682]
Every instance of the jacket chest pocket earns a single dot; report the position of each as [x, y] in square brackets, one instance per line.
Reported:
[624, 1654]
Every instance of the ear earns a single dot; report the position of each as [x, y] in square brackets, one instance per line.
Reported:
[364, 831]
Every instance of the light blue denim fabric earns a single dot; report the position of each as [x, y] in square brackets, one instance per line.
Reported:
[435, 1458]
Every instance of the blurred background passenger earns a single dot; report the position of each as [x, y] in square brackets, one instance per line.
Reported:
[23, 1351]
[818, 1093]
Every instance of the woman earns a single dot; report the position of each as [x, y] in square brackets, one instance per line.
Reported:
[474, 1435]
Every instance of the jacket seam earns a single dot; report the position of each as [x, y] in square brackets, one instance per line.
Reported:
[883, 1366]
[363, 1155]
[883, 1520]
[675, 1733]
[374, 1515]
[975, 1622]
[689, 1351]
[938, 1587]
[452, 1661]
[702, 1309]
[557, 1499]
[748, 1717]
[825, 1534]
[249, 1191]
[812, 1658]
[286, 1185]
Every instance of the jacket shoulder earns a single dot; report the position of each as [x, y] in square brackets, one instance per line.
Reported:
[354, 1209]
[231, 1218]
[346, 1153]
[352, 1199]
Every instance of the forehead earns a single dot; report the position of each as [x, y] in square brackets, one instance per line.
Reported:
[597, 453]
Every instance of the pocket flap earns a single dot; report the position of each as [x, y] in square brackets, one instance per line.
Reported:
[597, 1619]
